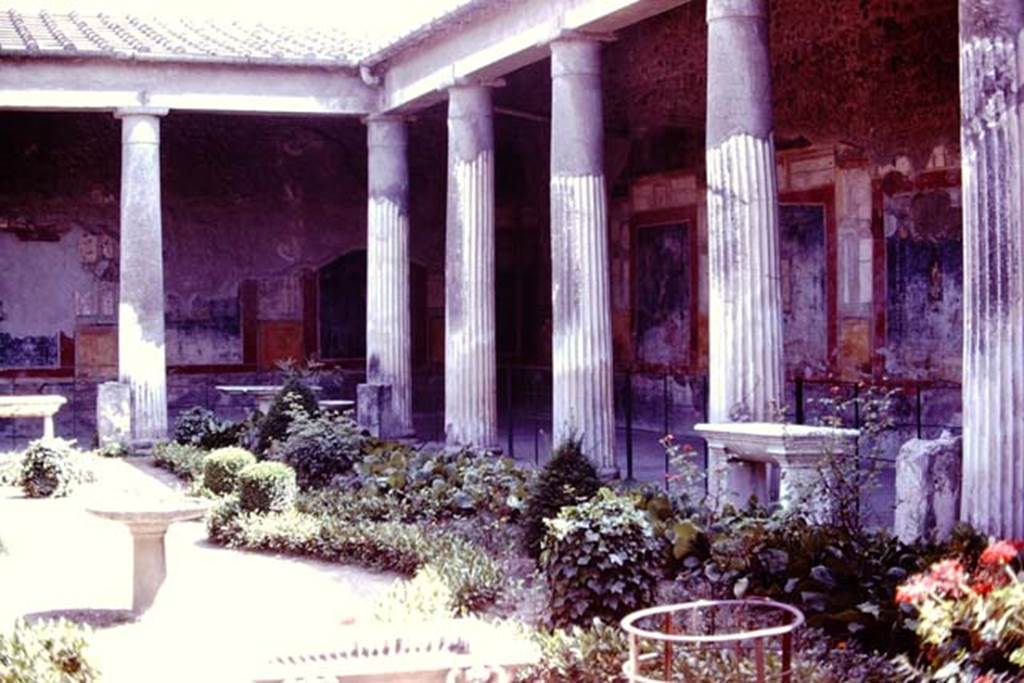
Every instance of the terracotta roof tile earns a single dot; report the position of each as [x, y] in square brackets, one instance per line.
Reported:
[174, 39]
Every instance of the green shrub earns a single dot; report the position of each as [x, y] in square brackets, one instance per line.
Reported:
[200, 427]
[579, 655]
[267, 487]
[222, 467]
[294, 396]
[567, 479]
[601, 560]
[184, 461]
[319, 447]
[845, 583]
[473, 577]
[440, 485]
[115, 449]
[424, 597]
[47, 469]
[45, 652]
[222, 521]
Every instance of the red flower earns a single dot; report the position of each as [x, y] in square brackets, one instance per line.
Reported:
[999, 552]
[984, 678]
[982, 587]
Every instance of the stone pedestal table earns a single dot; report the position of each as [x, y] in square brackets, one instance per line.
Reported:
[44, 406]
[148, 521]
[739, 452]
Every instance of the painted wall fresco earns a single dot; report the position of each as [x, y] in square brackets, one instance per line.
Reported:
[804, 309]
[663, 314]
[343, 307]
[924, 290]
[27, 352]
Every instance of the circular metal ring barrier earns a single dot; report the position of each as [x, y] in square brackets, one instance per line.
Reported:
[750, 624]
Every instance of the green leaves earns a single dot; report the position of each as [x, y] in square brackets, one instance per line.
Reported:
[601, 560]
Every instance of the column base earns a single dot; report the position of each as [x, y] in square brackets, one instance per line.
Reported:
[374, 412]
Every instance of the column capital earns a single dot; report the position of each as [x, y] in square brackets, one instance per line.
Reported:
[469, 100]
[566, 35]
[574, 56]
[125, 112]
[386, 130]
[730, 9]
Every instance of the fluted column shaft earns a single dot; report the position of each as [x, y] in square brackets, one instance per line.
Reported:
[745, 296]
[141, 358]
[388, 326]
[581, 305]
[993, 354]
[470, 363]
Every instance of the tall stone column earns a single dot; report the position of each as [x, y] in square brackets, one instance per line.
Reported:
[993, 356]
[580, 289]
[140, 334]
[470, 364]
[388, 327]
[745, 296]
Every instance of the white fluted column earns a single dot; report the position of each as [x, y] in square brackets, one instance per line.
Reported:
[581, 303]
[991, 36]
[745, 296]
[470, 401]
[388, 326]
[141, 358]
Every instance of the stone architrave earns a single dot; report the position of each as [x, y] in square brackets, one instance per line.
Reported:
[388, 326]
[745, 295]
[580, 288]
[991, 34]
[470, 364]
[928, 473]
[113, 413]
[141, 359]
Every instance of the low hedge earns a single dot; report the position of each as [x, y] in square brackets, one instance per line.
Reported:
[475, 579]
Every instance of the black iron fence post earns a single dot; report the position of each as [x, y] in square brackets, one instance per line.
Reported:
[799, 399]
[628, 409]
[917, 414]
[508, 410]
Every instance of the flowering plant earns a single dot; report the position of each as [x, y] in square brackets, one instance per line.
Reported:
[970, 623]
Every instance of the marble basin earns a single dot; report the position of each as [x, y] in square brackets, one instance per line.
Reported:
[148, 519]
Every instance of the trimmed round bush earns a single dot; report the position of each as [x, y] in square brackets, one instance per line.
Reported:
[267, 487]
[221, 469]
[601, 560]
[567, 479]
[47, 470]
[294, 396]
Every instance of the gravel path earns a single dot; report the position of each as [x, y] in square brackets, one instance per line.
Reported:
[220, 613]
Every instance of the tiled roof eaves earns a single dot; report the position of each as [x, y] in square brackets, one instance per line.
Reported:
[446, 22]
[120, 56]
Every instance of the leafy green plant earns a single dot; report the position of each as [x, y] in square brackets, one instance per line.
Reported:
[294, 394]
[115, 449]
[200, 427]
[970, 622]
[46, 652]
[222, 467]
[47, 469]
[424, 597]
[474, 578]
[184, 461]
[591, 654]
[267, 487]
[601, 559]
[444, 484]
[567, 479]
[319, 447]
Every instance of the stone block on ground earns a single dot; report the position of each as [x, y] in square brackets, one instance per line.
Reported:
[928, 488]
[113, 413]
[373, 410]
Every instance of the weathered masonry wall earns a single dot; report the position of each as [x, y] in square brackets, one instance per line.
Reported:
[254, 207]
